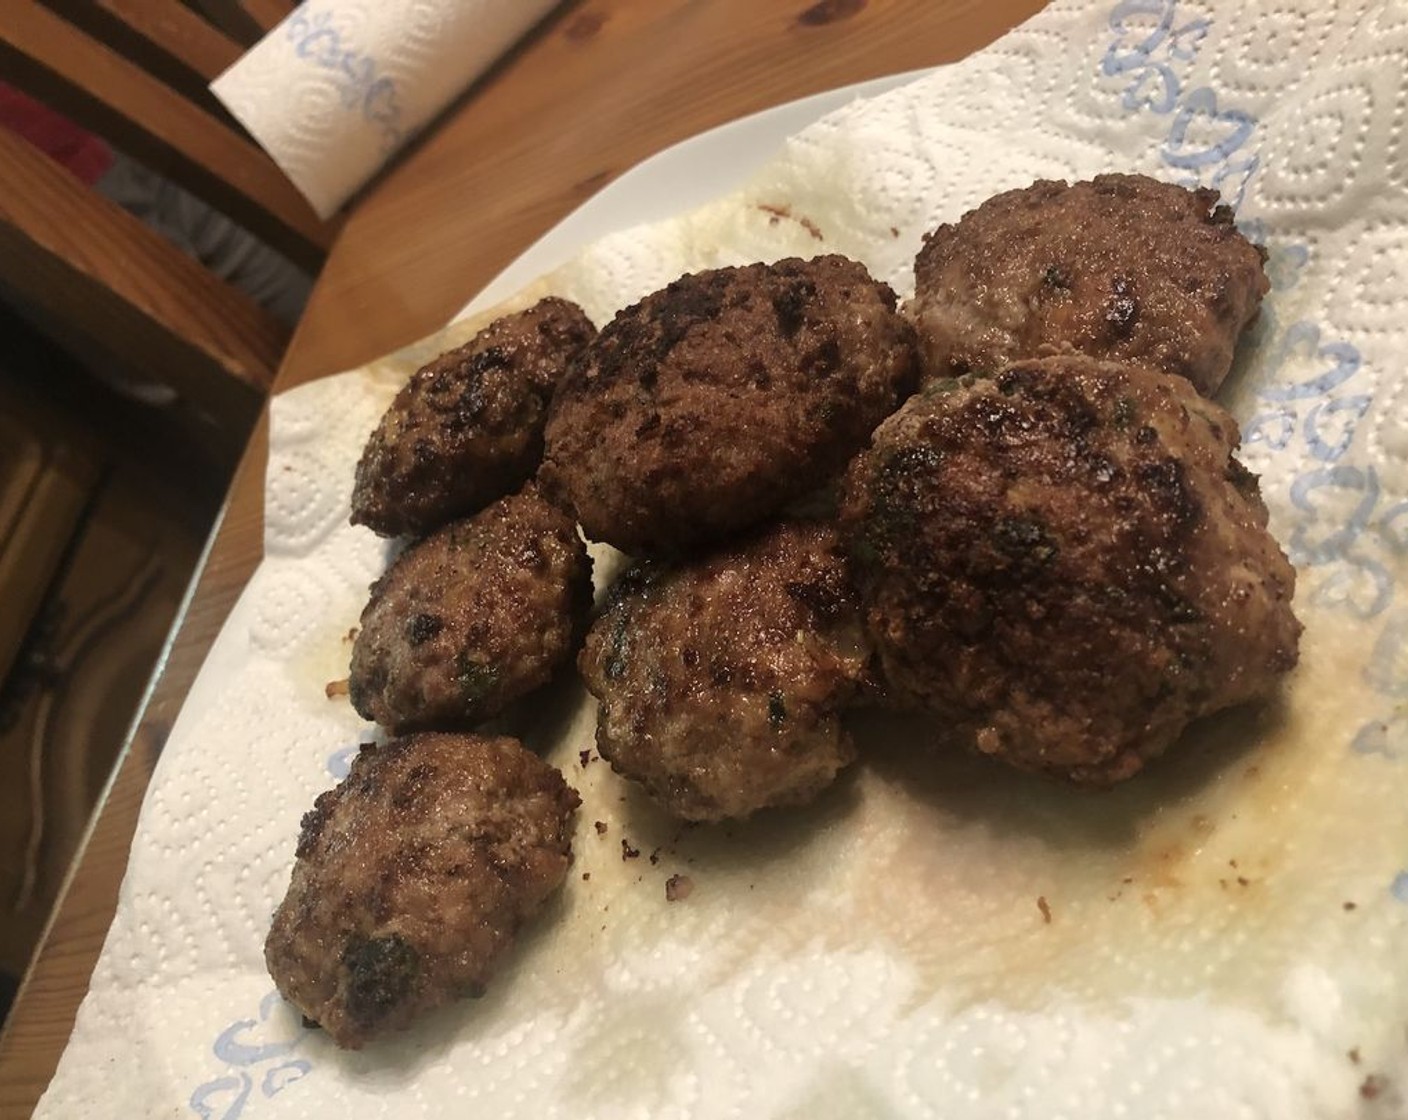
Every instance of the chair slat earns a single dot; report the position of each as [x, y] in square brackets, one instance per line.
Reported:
[164, 37]
[269, 13]
[59, 64]
[246, 20]
[81, 259]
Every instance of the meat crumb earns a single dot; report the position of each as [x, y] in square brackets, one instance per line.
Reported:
[777, 213]
[1242, 880]
[655, 856]
[678, 888]
[600, 827]
[894, 232]
[1373, 1086]
[1351, 906]
[333, 689]
[628, 852]
[584, 757]
[1045, 908]
[1354, 1055]
[351, 635]
[586, 875]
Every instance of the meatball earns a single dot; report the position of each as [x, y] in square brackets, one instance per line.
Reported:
[471, 618]
[468, 428]
[1123, 268]
[1066, 565]
[711, 403]
[413, 877]
[721, 682]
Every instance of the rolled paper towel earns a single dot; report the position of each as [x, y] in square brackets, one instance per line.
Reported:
[338, 87]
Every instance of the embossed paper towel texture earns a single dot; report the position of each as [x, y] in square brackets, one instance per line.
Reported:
[1222, 937]
[340, 85]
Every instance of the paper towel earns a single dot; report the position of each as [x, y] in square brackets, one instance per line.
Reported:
[339, 86]
[1224, 936]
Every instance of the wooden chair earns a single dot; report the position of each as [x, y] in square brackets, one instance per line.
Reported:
[135, 72]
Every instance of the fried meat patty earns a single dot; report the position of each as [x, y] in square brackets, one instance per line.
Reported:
[413, 877]
[706, 406]
[721, 682]
[1123, 267]
[1066, 564]
[474, 616]
[468, 428]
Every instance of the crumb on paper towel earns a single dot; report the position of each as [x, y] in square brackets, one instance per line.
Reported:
[777, 213]
[628, 852]
[1373, 1087]
[333, 689]
[678, 888]
[1045, 908]
[600, 827]
[584, 757]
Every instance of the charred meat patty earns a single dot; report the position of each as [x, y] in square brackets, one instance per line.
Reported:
[468, 428]
[413, 877]
[705, 407]
[721, 682]
[1066, 564]
[471, 618]
[1123, 267]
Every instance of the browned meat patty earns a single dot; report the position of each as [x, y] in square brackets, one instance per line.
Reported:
[711, 403]
[468, 428]
[1066, 565]
[472, 617]
[1124, 268]
[413, 877]
[720, 683]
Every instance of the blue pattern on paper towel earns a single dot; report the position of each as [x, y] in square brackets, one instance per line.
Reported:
[1154, 46]
[253, 1068]
[317, 39]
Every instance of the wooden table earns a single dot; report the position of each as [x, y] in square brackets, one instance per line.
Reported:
[601, 85]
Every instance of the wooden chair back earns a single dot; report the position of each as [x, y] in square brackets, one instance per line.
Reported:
[136, 72]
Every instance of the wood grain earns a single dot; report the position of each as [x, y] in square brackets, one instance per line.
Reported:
[600, 86]
[81, 259]
[44, 485]
[164, 37]
[268, 13]
[246, 20]
[52, 60]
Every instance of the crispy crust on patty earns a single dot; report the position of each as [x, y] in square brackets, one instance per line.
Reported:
[708, 405]
[1066, 564]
